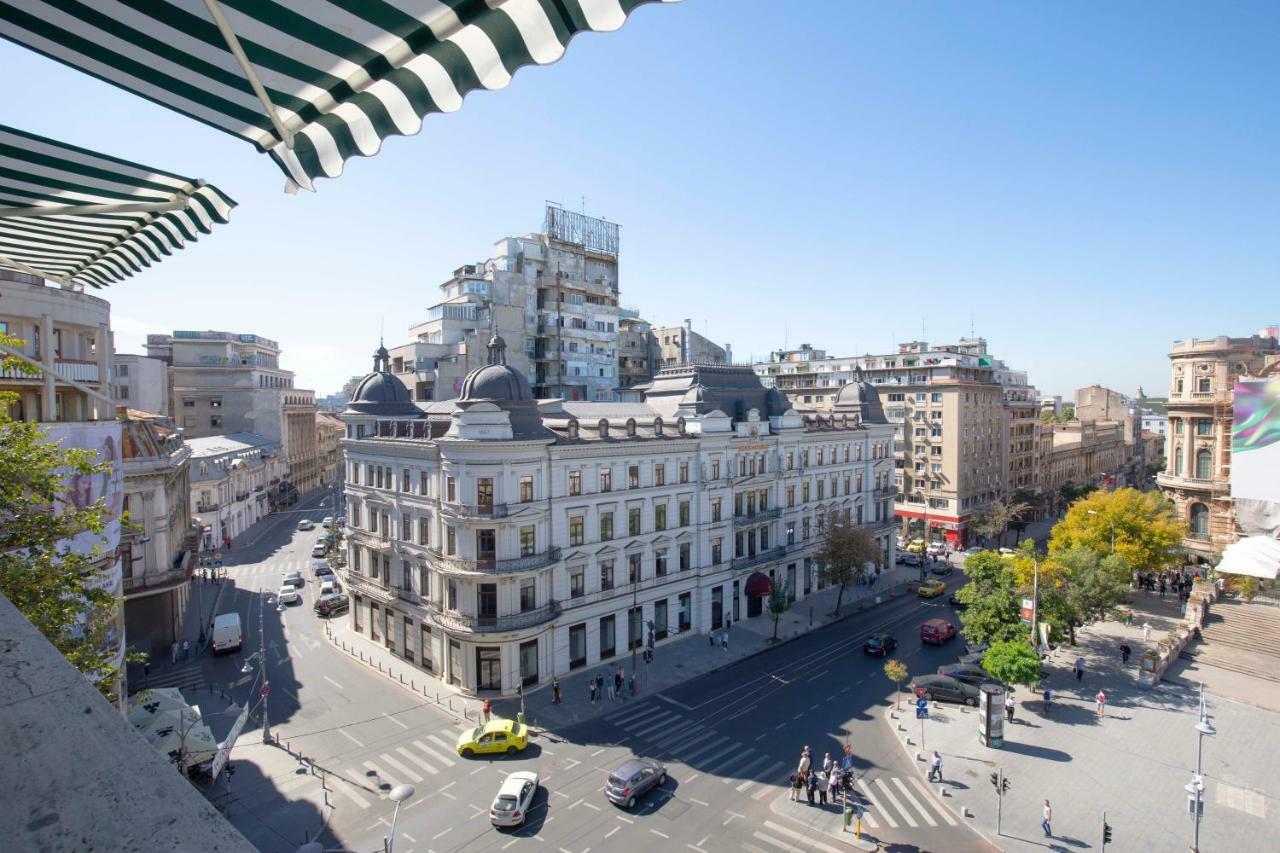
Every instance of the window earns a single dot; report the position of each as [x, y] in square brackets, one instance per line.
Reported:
[450, 489]
[791, 495]
[791, 459]
[686, 556]
[215, 422]
[633, 521]
[1199, 521]
[606, 574]
[188, 403]
[606, 480]
[577, 582]
[526, 489]
[451, 595]
[404, 480]
[804, 491]
[715, 509]
[575, 482]
[406, 526]
[764, 538]
[684, 472]
[1204, 385]
[576, 525]
[1204, 426]
[451, 541]
[633, 476]
[1204, 464]
[822, 489]
[660, 516]
[608, 636]
[1177, 426]
[528, 599]
[715, 469]
[577, 646]
[487, 600]
[606, 526]
[635, 627]
[373, 522]
[660, 474]
[660, 619]
[1177, 387]
[684, 513]
[717, 550]
[486, 544]
[660, 563]
[484, 493]
[528, 541]
[633, 567]
[686, 608]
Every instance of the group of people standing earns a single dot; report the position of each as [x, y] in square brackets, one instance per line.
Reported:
[820, 783]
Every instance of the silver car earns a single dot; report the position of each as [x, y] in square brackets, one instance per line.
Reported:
[633, 778]
[511, 806]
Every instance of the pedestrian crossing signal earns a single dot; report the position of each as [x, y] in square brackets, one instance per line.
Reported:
[1106, 832]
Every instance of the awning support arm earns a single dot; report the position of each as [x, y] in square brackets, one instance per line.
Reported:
[86, 209]
[58, 376]
[233, 44]
[5, 260]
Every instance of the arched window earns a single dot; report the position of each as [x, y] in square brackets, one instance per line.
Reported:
[680, 425]
[1199, 521]
[1177, 460]
[1204, 464]
[573, 428]
[603, 428]
[631, 427]
[657, 426]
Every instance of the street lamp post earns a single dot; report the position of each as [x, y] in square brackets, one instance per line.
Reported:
[398, 795]
[1196, 786]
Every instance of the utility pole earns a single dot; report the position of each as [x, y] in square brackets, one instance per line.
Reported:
[1035, 598]
[262, 676]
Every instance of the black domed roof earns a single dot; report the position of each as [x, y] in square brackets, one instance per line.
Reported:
[381, 393]
[496, 381]
[776, 403]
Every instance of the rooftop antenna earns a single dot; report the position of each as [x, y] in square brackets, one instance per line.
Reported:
[971, 324]
[584, 205]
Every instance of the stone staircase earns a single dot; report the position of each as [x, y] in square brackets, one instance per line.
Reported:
[1240, 637]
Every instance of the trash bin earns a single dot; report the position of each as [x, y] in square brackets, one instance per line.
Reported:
[848, 815]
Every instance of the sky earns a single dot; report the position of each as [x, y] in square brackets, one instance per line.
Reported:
[1081, 184]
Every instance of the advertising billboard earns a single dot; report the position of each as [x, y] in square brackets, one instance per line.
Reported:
[80, 490]
[1255, 440]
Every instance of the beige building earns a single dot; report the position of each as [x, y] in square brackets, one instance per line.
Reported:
[635, 349]
[1081, 453]
[140, 383]
[235, 482]
[1197, 474]
[329, 431]
[674, 345]
[1096, 403]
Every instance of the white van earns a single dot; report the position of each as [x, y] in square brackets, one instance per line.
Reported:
[227, 635]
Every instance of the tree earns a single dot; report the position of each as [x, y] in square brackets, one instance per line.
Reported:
[846, 551]
[779, 602]
[1013, 662]
[1069, 493]
[896, 671]
[1143, 526]
[990, 521]
[57, 589]
[991, 599]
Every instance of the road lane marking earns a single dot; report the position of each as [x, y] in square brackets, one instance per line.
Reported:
[561, 794]
[394, 720]
[442, 833]
[349, 737]
[685, 743]
[447, 762]
[418, 761]
[704, 840]
[929, 795]
[742, 713]
[660, 834]
[745, 771]
[352, 795]
[448, 747]
[674, 702]
[928, 818]
[331, 681]
[618, 717]
[779, 726]
[731, 816]
[597, 752]
[796, 836]
[612, 831]
[763, 792]
[591, 805]
[691, 778]
[400, 766]
[509, 843]
[412, 840]
[906, 815]
[819, 675]
[675, 733]
[624, 819]
[705, 748]
[875, 804]
[704, 805]
[378, 774]
[666, 719]
[736, 754]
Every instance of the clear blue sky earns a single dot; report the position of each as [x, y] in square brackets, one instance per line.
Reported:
[1084, 182]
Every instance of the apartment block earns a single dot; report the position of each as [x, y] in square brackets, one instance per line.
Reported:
[140, 383]
[235, 481]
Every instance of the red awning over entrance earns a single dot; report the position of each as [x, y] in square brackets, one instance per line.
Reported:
[758, 585]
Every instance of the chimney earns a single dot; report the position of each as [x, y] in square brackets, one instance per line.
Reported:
[685, 343]
[728, 353]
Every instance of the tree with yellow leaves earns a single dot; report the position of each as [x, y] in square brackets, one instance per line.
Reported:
[1141, 527]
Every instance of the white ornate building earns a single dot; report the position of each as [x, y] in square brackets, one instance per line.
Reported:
[496, 540]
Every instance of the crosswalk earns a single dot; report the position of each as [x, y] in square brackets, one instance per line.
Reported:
[890, 802]
[412, 762]
[184, 675]
[275, 568]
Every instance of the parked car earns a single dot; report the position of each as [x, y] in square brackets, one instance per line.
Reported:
[321, 568]
[941, 569]
[940, 688]
[633, 778]
[293, 577]
[306, 524]
[955, 602]
[342, 519]
[227, 635]
[936, 549]
[496, 736]
[916, 546]
[288, 594]
[318, 550]
[937, 631]
[514, 798]
[327, 523]
[1007, 552]
[909, 558]
[331, 604]
[969, 673]
[329, 586]
[879, 645]
[969, 552]
[932, 589]
[976, 649]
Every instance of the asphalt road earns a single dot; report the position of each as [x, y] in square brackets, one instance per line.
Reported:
[729, 741]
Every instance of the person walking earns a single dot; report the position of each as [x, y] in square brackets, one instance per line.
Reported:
[1101, 699]
[485, 709]
[186, 648]
[724, 640]
[935, 767]
[1008, 706]
[1146, 632]
[1125, 651]
[1047, 821]
[803, 767]
[827, 762]
[1079, 669]
[793, 782]
[173, 652]
[711, 639]
[591, 690]
[555, 690]
[1048, 700]
[609, 685]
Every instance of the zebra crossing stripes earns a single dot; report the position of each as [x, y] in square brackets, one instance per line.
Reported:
[621, 718]
[687, 742]
[185, 676]
[448, 747]
[447, 762]
[400, 767]
[888, 795]
[664, 720]
[756, 765]
[346, 790]
[874, 802]
[416, 760]
[906, 792]
[705, 748]
[929, 797]
[675, 734]
[797, 840]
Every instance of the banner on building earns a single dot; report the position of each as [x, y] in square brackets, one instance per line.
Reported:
[1255, 440]
[80, 490]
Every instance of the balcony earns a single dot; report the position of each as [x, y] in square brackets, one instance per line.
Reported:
[768, 556]
[498, 567]
[412, 597]
[75, 369]
[756, 517]
[1169, 481]
[213, 507]
[372, 587]
[476, 510]
[883, 492]
[494, 624]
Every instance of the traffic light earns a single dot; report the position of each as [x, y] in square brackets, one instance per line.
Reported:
[1106, 832]
[995, 781]
[1005, 789]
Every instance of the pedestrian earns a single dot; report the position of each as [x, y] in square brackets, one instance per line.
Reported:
[811, 787]
[728, 623]
[1048, 819]
[827, 762]
[1128, 617]
[486, 708]
[186, 648]
[591, 690]
[173, 652]
[1008, 706]
[711, 639]
[1162, 587]
[833, 783]
[1079, 669]
[1146, 632]
[555, 690]
[724, 641]
[1048, 699]
[617, 684]
[793, 784]
[935, 767]
[146, 669]
[631, 683]
[822, 788]
[609, 685]
[803, 767]
[1125, 651]
[1102, 703]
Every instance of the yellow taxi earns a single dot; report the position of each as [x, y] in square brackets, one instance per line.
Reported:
[932, 589]
[915, 546]
[497, 735]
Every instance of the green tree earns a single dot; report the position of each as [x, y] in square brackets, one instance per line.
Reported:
[846, 551]
[1141, 527]
[896, 671]
[58, 590]
[1012, 662]
[991, 599]
[779, 603]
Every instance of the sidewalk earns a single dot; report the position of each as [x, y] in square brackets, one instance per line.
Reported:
[1131, 763]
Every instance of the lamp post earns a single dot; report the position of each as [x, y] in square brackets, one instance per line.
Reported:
[1195, 787]
[398, 795]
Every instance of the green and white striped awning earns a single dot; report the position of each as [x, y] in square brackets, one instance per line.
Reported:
[75, 216]
[312, 82]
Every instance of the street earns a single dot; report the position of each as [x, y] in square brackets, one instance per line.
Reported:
[728, 739]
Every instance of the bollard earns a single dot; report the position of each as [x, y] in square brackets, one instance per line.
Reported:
[402, 678]
[412, 686]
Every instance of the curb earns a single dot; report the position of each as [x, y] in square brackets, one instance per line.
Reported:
[207, 619]
[846, 838]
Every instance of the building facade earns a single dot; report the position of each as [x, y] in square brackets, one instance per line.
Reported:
[140, 383]
[496, 540]
[156, 551]
[329, 432]
[674, 345]
[1197, 473]
[234, 481]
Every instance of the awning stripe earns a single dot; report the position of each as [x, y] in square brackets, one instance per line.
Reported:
[342, 75]
[103, 247]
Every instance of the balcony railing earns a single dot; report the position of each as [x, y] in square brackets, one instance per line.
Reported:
[155, 580]
[756, 517]
[494, 624]
[1206, 485]
[207, 507]
[498, 567]
[372, 587]
[883, 492]
[768, 556]
[476, 510]
[410, 596]
[75, 369]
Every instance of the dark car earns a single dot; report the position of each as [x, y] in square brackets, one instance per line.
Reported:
[969, 673]
[941, 569]
[976, 649]
[331, 604]
[879, 645]
[321, 568]
[941, 688]
[633, 778]
[956, 603]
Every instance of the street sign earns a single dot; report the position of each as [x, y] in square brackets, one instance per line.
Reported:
[1028, 608]
[266, 688]
[922, 713]
[921, 692]
[922, 702]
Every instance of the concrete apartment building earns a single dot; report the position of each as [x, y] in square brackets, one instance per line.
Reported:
[952, 447]
[682, 345]
[140, 383]
[497, 539]
[1095, 403]
[235, 482]
[1197, 474]
[156, 553]
[222, 383]
[635, 352]
[1081, 453]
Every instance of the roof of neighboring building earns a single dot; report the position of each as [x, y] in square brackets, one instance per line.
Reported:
[218, 445]
[380, 392]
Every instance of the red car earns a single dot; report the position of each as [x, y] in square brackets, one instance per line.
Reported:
[937, 631]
